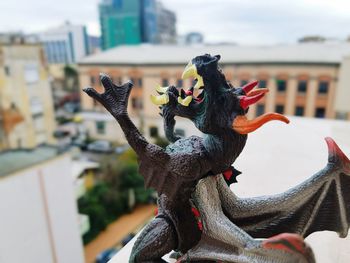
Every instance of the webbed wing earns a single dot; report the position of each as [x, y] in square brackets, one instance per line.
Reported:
[320, 203]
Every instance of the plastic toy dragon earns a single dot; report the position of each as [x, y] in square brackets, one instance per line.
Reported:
[198, 215]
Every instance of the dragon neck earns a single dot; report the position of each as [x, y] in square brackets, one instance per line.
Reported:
[224, 148]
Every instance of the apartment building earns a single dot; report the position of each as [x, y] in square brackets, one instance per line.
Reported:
[26, 107]
[305, 79]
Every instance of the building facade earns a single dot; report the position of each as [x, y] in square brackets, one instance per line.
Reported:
[303, 79]
[39, 219]
[135, 21]
[26, 107]
[65, 44]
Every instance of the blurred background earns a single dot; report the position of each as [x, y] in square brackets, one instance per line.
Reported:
[69, 184]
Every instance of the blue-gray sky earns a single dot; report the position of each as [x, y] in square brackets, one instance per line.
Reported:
[245, 22]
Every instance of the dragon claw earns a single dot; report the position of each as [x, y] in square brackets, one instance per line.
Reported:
[92, 93]
[114, 98]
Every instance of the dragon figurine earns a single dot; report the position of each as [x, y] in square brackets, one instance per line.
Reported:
[199, 217]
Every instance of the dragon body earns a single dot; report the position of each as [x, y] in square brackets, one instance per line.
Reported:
[198, 216]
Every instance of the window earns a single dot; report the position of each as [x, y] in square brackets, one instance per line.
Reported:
[165, 82]
[7, 70]
[279, 109]
[299, 111]
[302, 85]
[260, 109]
[179, 83]
[341, 115]
[180, 132]
[323, 87]
[117, 4]
[140, 82]
[38, 121]
[153, 132]
[262, 84]
[100, 127]
[92, 80]
[281, 85]
[136, 103]
[31, 74]
[244, 82]
[320, 112]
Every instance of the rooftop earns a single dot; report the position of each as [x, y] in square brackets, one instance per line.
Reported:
[18, 159]
[146, 54]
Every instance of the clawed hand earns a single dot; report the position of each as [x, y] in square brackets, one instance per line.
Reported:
[115, 98]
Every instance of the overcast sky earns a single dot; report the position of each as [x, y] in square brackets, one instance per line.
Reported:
[240, 21]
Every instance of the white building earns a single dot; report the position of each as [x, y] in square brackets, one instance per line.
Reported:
[39, 220]
[65, 44]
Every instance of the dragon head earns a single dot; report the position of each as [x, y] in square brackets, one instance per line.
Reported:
[213, 104]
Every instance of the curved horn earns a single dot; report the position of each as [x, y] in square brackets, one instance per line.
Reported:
[161, 90]
[245, 101]
[248, 87]
[184, 102]
[160, 100]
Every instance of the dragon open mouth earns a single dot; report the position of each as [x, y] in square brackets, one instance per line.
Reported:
[197, 91]
[244, 126]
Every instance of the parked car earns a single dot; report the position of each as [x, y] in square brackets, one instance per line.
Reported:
[100, 146]
[79, 142]
[106, 255]
[121, 149]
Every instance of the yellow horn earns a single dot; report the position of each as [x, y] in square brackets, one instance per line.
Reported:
[161, 89]
[184, 102]
[160, 100]
[190, 71]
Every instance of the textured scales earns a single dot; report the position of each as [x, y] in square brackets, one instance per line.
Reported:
[188, 176]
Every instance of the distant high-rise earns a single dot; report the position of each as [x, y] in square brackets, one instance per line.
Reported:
[135, 21]
[194, 38]
[65, 44]
[166, 25]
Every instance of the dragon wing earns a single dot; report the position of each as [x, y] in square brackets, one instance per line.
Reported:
[320, 203]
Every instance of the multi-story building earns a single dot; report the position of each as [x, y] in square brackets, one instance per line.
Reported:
[26, 108]
[135, 21]
[310, 79]
[39, 219]
[166, 25]
[65, 44]
[194, 38]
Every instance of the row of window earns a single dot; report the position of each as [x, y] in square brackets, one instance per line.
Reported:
[299, 110]
[323, 86]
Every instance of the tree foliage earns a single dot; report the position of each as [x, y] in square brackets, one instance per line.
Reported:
[108, 199]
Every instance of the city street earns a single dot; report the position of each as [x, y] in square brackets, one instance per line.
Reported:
[116, 231]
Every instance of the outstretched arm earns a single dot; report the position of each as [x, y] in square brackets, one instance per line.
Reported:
[115, 100]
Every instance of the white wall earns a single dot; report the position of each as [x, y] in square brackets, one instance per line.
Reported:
[39, 219]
